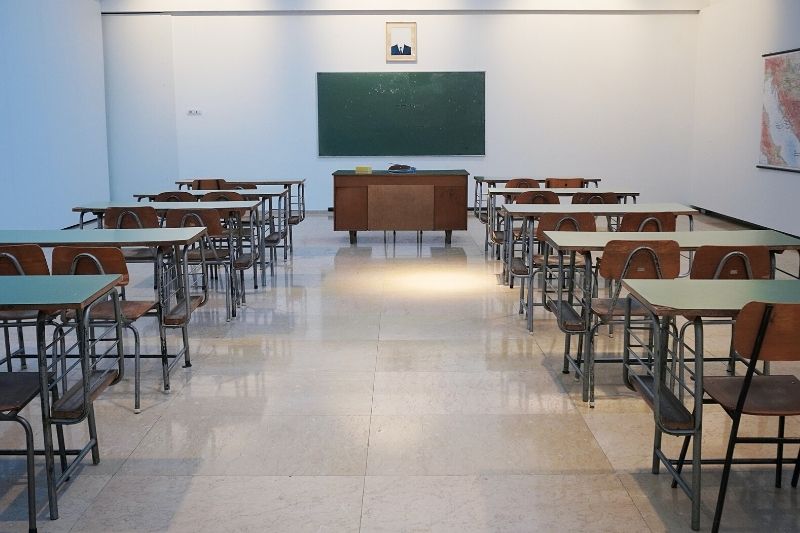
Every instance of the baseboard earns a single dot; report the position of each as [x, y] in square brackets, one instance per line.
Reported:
[735, 220]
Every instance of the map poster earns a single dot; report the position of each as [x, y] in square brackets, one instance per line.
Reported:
[780, 116]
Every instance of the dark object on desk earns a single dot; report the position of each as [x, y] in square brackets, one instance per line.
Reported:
[402, 169]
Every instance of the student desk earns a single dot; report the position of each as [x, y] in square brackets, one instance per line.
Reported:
[518, 211]
[666, 300]
[172, 280]
[478, 202]
[50, 294]
[494, 192]
[297, 199]
[276, 212]
[566, 243]
[229, 209]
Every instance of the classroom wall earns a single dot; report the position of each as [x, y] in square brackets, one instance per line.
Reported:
[567, 93]
[52, 109]
[730, 71]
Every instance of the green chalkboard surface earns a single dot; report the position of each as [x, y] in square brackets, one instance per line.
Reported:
[401, 113]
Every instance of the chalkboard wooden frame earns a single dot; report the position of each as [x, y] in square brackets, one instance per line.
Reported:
[401, 113]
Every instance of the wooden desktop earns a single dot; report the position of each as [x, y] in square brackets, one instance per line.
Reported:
[424, 200]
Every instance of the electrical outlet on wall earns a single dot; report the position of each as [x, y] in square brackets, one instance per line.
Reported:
[194, 113]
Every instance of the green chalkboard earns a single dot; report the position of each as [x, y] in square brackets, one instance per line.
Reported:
[401, 113]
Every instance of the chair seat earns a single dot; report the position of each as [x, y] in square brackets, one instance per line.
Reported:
[483, 217]
[518, 267]
[568, 318]
[603, 308]
[498, 236]
[17, 389]
[768, 395]
[131, 310]
[273, 238]
[294, 220]
[177, 315]
[70, 405]
[538, 260]
[194, 255]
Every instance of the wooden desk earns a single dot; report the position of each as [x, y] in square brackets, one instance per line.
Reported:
[421, 201]
[48, 294]
[666, 299]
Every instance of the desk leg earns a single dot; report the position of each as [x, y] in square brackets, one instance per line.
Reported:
[353, 237]
[448, 236]
[44, 396]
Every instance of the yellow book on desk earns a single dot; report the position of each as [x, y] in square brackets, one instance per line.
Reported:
[363, 169]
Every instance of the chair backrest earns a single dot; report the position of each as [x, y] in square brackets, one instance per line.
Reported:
[648, 222]
[564, 183]
[130, 217]
[175, 196]
[731, 262]
[595, 198]
[81, 260]
[522, 183]
[780, 337]
[22, 260]
[209, 184]
[565, 222]
[537, 197]
[194, 218]
[641, 260]
[220, 196]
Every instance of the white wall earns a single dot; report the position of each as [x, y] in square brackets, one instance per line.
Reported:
[52, 111]
[730, 71]
[140, 100]
[605, 95]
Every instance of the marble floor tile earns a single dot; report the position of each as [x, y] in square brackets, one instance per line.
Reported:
[438, 445]
[226, 503]
[229, 444]
[498, 503]
[498, 393]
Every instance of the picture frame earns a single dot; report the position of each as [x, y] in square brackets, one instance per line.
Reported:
[401, 42]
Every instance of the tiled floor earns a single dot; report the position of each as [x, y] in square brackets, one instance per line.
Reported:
[384, 387]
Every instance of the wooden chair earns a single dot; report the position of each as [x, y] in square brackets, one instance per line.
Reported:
[244, 231]
[175, 196]
[209, 184]
[20, 260]
[595, 198]
[565, 183]
[18, 389]
[522, 183]
[533, 263]
[623, 260]
[81, 260]
[648, 222]
[527, 197]
[139, 217]
[763, 332]
[724, 262]
[216, 249]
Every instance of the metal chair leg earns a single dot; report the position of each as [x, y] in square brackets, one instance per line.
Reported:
[726, 472]
[779, 465]
[796, 474]
[681, 458]
[30, 463]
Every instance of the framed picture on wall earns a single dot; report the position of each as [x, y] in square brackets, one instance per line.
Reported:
[401, 41]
